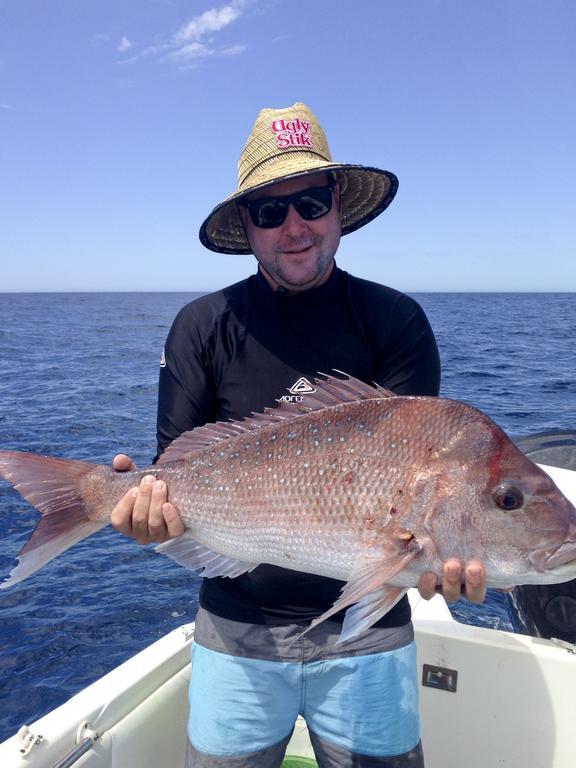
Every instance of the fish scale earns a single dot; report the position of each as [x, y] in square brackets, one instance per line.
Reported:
[354, 483]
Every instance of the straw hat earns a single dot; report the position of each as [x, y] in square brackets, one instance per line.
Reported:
[285, 144]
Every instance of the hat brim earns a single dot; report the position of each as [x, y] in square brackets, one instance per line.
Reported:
[364, 193]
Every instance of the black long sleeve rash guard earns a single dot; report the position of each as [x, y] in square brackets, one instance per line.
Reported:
[238, 350]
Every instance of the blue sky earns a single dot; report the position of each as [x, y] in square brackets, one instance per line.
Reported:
[121, 124]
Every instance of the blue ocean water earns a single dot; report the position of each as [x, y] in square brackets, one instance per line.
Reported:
[78, 379]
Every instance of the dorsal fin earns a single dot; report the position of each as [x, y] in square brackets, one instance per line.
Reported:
[330, 391]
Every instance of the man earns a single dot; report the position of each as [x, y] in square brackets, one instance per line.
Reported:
[238, 350]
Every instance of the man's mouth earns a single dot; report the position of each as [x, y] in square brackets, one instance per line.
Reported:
[300, 249]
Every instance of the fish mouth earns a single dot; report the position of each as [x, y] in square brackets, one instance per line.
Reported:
[565, 553]
[546, 560]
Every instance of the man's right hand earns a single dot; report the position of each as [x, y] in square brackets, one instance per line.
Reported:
[144, 513]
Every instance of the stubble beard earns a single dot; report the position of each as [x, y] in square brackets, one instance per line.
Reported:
[301, 275]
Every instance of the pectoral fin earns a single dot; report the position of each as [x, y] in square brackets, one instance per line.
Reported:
[369, 594]
[372, 607]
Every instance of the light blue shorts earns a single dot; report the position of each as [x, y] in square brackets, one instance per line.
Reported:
[249, 683]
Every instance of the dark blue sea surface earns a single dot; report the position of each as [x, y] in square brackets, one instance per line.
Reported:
[78, 379]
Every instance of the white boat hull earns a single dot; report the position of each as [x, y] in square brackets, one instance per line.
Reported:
[514, 705]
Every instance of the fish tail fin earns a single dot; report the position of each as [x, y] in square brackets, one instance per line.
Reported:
[54, 487]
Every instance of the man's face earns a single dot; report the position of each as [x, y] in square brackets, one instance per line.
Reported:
[298, 254]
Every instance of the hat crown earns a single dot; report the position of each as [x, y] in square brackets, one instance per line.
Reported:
[285, 144]
[281, 138]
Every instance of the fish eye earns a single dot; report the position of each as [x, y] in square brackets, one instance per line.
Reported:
[508, 498]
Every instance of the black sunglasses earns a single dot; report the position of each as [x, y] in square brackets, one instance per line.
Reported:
[271, 212]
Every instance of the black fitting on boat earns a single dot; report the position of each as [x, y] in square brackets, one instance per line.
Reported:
[547, 611]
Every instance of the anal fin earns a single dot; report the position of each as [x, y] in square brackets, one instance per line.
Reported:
[186, 551]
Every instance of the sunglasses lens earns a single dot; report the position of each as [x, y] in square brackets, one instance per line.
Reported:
[314, 203]
[270, 212]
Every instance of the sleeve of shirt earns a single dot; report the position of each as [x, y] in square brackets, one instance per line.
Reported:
[186, 396]
[411, 363]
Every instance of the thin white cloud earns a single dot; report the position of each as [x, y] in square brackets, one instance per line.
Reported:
[189, 52]
[233, 50]
[5, 106]
[196, 38]
[210, 21]
[124, 45]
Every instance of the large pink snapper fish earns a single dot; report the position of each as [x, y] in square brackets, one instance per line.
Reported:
[356, 484]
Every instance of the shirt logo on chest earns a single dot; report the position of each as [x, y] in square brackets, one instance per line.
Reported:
[297, 390]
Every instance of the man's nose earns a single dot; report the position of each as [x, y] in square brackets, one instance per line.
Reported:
[293, 221]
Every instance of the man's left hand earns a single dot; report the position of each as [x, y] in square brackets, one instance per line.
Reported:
[468, 580]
